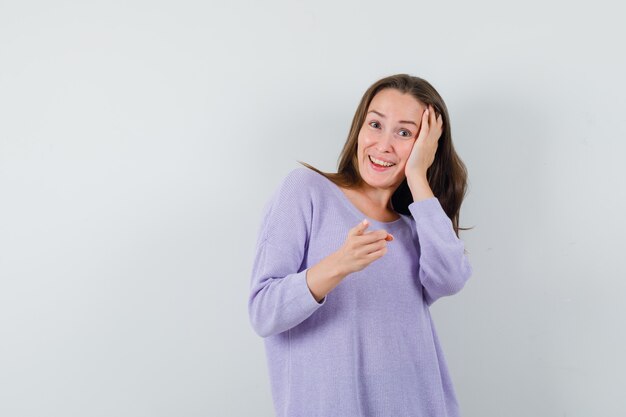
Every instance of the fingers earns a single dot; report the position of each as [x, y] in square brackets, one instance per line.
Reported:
[439, 119]
[423, 132]
[359, 228]
[372, 235]
[376, 235]
[374, 247]
[377, 253]
[435, 121]
[387, 236]
[436, 117]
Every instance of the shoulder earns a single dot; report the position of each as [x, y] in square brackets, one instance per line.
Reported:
[291, 204]
[304, 176]
[302, 182]
[298, 185]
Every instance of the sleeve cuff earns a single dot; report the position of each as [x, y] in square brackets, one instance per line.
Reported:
[307, 296]
[426, 208]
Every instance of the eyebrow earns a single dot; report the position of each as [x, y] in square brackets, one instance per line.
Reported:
[382, 115]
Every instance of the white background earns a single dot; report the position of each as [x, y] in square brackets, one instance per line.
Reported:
[140, 140]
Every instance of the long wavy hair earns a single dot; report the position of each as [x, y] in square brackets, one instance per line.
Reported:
[447, 176]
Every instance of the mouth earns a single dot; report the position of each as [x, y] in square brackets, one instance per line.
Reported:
[377, 167]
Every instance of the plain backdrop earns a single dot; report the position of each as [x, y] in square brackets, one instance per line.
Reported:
[140, 140]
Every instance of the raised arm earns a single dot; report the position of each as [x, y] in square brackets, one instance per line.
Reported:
[443, 266]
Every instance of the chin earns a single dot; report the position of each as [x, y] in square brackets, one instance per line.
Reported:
[379, 182]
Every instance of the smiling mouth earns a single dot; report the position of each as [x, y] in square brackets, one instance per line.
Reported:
[377, 167]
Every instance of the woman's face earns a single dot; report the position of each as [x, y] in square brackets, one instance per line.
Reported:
[388, 133]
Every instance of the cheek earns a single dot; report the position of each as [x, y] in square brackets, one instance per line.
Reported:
[365, 137]
[363, 143]
[401, 166]
[406, 151]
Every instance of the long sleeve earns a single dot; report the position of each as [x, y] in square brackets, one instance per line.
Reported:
[443, 266]
[279, 295]
[367, 349]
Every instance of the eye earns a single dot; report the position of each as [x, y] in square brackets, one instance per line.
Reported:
[408, 134]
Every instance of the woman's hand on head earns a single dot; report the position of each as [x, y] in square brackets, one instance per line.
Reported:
[361, 248]
[425, 146]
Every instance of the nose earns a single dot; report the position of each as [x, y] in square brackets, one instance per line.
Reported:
[384, 143]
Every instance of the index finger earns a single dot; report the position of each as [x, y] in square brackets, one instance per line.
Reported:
[377, 234]
[359, 229]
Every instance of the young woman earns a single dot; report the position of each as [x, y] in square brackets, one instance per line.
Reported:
[348, 264]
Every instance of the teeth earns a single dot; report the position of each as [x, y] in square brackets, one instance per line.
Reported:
[379, 162]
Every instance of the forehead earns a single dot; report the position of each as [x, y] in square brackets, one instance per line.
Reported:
[393, 103]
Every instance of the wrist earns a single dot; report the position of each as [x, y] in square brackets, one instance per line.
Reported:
[416, 180]
[420, 188]
[335, 266]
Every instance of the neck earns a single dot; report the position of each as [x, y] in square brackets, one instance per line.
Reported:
[379, 197]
